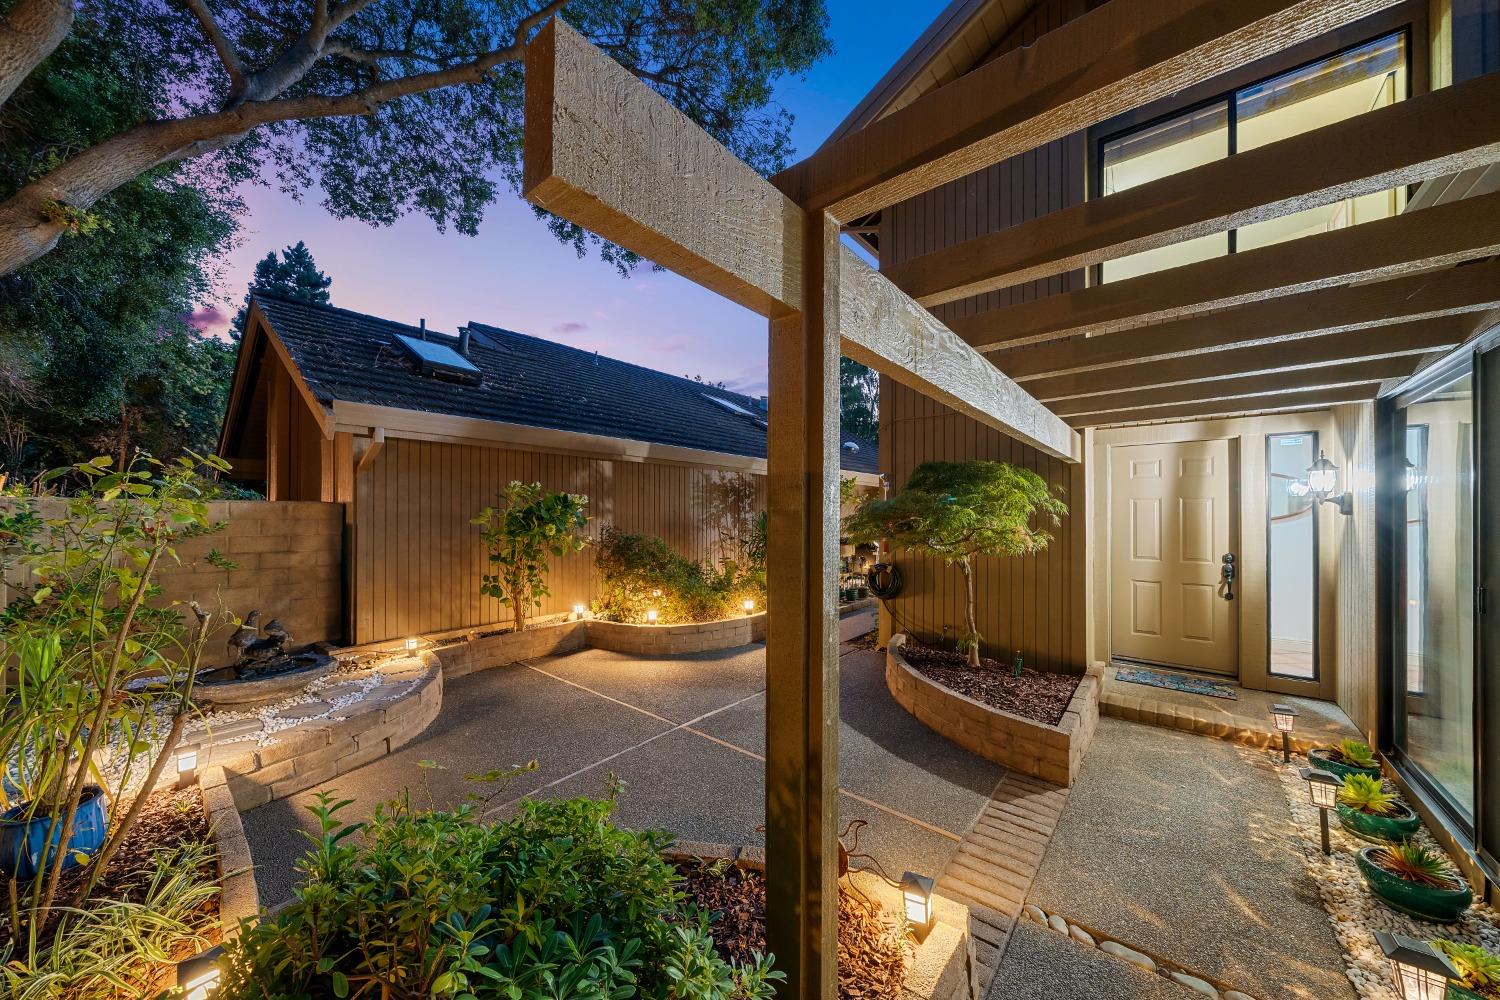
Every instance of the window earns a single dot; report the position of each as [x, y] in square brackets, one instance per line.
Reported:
[1291, 556]
[1341, 86]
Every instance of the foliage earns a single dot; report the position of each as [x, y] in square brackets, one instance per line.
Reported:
[1368, 795]
[529, 525]
[99, 675]
[640, 573]
[556, 902]
[98, 355]
[1419, 863]
[112, 946]
[859, 399]
[416, 105]
[1479, 967]
[959, 511]
[1355, 753]
[293, 274]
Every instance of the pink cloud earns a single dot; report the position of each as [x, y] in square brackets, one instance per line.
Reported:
[209, 320]
[570, 327]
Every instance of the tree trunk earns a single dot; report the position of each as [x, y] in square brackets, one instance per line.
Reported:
[969, 620]
[28, 34]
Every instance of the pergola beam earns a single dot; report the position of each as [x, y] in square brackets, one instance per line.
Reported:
[1471, 287]
[1432, 135]
[1274, 402]
[1399, 340]
[610, 154]
[1433, 237]
[1121, 55]
[1341, 373]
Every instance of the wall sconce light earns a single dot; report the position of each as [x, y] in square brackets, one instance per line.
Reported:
[917, 891]
[1285, 718]
[651, 617]
[198, 977]
[187, 766]
[411, 643]
[749, 605]
[1324, 789]
[1422, 972]
[1323, 480]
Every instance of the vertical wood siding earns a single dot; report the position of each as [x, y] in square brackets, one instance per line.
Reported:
[1036, 604]
[418, 560]
[1358, 597]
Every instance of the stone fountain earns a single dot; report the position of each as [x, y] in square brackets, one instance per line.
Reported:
[263, 671]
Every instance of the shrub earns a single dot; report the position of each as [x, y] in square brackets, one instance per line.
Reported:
[632, 568]
[1367, 795]
[555, 902]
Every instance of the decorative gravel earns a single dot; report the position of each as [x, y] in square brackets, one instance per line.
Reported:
[1042, 697]
[1355, 912]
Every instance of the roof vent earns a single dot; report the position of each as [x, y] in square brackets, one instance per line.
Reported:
[852, 447]
[439, 360]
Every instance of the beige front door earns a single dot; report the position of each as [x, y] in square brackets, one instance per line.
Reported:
[1171, 522]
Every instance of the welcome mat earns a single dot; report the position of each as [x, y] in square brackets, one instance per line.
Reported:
[1176, 682]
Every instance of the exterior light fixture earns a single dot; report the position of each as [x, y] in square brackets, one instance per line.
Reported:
[578, 612]
[411, 643]
[1324, 789]
[651, 617]
[1323, 480]
[1285, 718]
[187, 765]
[1421, 971]
[749, 605]
[656, 593]
[198, 977]
[917, 890]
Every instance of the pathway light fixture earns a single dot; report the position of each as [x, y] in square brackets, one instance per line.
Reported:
[917, 890]
[1324, 789]
[1421, 971]
[1285, 718]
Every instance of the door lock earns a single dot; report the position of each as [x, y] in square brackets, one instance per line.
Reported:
[1226, 576]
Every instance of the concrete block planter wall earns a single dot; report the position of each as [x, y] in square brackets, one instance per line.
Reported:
[473, 651]
[238, 898]
[1051, 753]
[662, 640]
[942, 965]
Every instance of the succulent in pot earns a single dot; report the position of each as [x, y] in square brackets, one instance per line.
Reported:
[1479, 971]
[1416, 880]
[1371, 813]
[1344, 758]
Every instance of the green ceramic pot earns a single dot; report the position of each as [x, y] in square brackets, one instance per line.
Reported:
[1425, 902]
[1390, 828]
[1319, 758]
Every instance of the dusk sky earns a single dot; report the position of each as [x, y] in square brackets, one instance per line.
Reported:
[516, 275]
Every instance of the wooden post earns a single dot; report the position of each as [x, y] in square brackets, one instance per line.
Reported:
[802, 686]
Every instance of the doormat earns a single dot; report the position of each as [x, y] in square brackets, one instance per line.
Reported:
[1176, 682]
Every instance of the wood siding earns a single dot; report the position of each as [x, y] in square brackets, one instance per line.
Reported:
[418, 560]
[1359, 605]
[1033, 604]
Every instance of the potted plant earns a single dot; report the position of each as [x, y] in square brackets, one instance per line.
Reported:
[1344, 758]
[1478, 968]
[1415, 880]
[1370, 812]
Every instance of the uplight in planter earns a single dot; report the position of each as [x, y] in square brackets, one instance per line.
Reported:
[198, 977]
[411, 644]
[917, 890]
[1422, 972]
[1285, 718]
[578, 612]
[187, 766]
[1324, 789]
[749, 605]
[651, 617]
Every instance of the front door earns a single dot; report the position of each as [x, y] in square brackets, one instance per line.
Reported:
[1171, 523]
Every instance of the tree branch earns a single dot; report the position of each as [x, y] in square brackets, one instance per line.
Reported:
[535, 19]
[222, 45]
[28, 34]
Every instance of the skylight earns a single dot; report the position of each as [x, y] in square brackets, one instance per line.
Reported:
[440, 359]
[737, 410]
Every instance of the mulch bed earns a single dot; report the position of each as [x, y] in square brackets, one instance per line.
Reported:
[873, 950]
[1036, 695]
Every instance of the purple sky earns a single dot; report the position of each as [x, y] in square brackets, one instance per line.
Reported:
[515, 275]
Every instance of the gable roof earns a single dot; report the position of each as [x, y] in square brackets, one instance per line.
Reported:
[352, 357]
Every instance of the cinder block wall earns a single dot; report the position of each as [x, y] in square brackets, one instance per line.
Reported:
[289, 565]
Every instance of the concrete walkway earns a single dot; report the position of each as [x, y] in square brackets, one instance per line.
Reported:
[686, 734]
[1179, 846]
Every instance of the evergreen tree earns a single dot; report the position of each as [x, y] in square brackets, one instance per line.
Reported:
[859, 399]
[292, 273]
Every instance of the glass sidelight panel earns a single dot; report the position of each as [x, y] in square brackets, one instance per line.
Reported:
[1291, 556]
[1437, 704]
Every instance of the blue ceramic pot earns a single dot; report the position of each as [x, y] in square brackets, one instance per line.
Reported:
[22, 841]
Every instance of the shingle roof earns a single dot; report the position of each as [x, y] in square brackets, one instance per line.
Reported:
[349, 356]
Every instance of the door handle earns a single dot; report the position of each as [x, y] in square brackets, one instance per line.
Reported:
[1226, 576]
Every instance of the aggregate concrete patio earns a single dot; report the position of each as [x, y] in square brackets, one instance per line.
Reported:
[687, 736]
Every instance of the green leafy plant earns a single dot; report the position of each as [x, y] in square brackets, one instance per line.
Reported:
[641, 573]
[1479, 967]
[1418, 863]
[1354, 753]
[98, 672]
[958, 512]
[555, 902]
[1368, 795]
[529, 525]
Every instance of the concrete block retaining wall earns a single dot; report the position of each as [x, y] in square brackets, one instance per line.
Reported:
[1051, 753]
[480, 652]
[661, 640]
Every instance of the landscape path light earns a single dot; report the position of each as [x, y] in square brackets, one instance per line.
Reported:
[578, 612]
[651, 617]
[411, 644]
[749, 605]
[1422, 972]
[198, 977]
[1285, 718]
[1324, 789]
[917, 891]
[187, 766]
